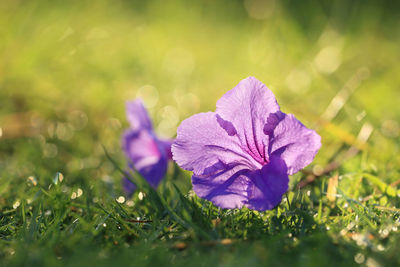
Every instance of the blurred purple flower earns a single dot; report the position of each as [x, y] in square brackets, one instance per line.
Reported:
[242, 154]
[146, 153]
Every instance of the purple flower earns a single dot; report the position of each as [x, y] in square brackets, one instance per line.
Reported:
[242, 154]
[145, 151]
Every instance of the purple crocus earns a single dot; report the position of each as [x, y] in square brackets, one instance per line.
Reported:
[242, 154]
[145, 151]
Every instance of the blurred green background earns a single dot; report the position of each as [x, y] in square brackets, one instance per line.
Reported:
[68, 67]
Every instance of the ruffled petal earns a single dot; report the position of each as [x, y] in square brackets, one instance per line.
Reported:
[226, 188]
[242, 154]
[145, 154]
[294, 143]
[234, 186]
[268, 185]
[202, 143]
[247, 107]
[137, 116]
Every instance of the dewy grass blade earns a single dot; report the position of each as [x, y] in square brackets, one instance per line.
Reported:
[154, 196]
[109, 214]
[188, 206]
[385, 188]
[362, 215]
[139, 181]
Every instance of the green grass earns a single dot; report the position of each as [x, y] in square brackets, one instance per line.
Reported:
[66, 70]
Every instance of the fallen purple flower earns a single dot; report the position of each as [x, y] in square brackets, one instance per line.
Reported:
[146, 153]
[242, 154]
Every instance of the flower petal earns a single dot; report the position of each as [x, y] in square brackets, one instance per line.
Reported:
[247, 107]
[234, 186]
[294, 143]
[165, 144]
[143, 150]
[227, 188]
[202, 143]
[268, 185]
[137, 116]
